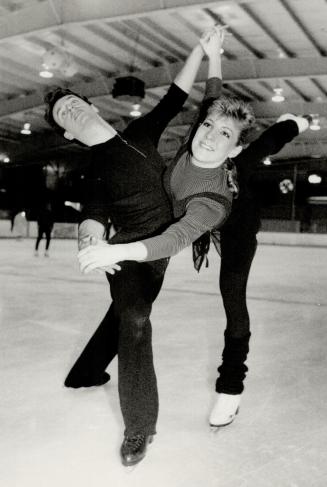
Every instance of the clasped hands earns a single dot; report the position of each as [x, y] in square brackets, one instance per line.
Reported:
[99, 256]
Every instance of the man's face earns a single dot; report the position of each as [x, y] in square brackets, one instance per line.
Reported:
[215, 140]
[79, 119]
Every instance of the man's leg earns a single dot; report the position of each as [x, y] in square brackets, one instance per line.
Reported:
[89, 368]
[134, 290]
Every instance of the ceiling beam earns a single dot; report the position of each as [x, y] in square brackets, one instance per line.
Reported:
[52, 13]
[234, 71]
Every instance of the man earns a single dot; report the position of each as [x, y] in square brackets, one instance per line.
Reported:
[127, 168]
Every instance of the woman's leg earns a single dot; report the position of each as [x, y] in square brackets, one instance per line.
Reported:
[236, 260]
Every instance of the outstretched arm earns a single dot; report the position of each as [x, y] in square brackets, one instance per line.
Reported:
[270, 142]
[202, 215]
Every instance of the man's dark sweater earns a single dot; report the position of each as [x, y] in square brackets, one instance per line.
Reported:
[127, 185]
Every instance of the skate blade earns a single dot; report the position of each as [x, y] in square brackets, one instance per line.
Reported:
[214, 428]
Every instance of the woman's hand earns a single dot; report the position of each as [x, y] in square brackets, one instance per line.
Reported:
[102, 257]
[212, 40]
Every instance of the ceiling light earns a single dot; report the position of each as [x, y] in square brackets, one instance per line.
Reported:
[128, 88]
[6, 159]
[136, 110]
[315, 124]
[286, 186]
[278, 96]
[58, 59]
[266, 161]
[26, 130]
[46, 73]
[314, 179]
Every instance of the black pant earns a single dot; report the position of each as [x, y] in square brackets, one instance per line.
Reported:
[237, 253]
[43, 230]
[127, 328]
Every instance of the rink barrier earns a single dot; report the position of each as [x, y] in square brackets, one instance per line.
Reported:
[281, 237]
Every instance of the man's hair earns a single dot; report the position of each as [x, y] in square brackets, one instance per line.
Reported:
[50, 100]
[224, 106]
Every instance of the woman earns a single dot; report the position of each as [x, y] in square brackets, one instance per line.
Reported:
[237, 247]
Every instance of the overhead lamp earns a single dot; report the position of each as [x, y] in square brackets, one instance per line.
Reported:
[57, 59]
[26, 130]
[285, 186]
[315, 123]
[4, 158]
[314, 179]
[45, 73]
[278, 95]
[136, 110]
[128, 88]
[267, 161]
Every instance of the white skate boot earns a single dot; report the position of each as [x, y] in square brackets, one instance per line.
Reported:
[225, 410]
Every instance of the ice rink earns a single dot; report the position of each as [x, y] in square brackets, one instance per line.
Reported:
[52, 436]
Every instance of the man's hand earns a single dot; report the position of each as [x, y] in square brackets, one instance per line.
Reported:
[100, 256]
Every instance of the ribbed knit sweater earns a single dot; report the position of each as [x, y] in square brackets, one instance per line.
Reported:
[201, 213]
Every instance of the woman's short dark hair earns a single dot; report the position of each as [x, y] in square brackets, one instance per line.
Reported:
[50, 100]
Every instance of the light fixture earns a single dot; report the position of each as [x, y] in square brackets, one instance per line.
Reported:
[315, 123]
[267, 161]
[285, 186]
[278, 95]
[57, 59]
[26, 130]
[136, 110]
[46, 73]
[4, 158]
[129, 88]
[314, 179]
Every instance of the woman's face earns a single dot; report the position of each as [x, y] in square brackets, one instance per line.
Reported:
[215, 140]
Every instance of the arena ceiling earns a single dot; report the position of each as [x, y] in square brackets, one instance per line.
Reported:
[271, 44]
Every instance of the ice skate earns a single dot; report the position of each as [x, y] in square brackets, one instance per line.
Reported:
[224, 411]
[133, 449]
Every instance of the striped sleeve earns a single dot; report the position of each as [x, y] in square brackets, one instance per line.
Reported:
[202, 214]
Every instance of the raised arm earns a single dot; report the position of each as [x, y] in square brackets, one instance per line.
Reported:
[212, 45]
[154, 122]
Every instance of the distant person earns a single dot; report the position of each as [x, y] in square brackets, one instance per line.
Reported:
[45, 225]
[19, 225]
